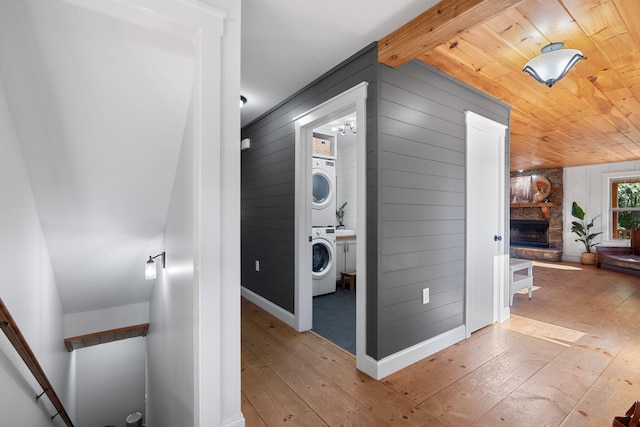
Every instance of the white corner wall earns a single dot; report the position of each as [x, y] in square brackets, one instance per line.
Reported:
[88, 322]
[110, 378]
[29, 290]
[346, 178]
[193, 345]
[170, 341]
[110, 382]
[583, 184]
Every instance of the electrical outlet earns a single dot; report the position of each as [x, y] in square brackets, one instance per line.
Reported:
[425, 296]
[257, 265]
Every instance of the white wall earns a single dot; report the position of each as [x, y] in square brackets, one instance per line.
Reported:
[170, 341]
[88, 322]
[346, 178]
[29, 291]
[110, 382]
[193, 345]
[583, 184]
[110, 378]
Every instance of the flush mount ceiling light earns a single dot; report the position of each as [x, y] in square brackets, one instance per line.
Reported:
[347, 127]
[150, 266]
[243, 101]
[553, 64]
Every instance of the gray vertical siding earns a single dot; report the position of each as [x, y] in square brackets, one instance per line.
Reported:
[268, 173]
[421, 188]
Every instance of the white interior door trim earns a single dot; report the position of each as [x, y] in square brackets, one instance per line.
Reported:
[500, 263]
[354, 99]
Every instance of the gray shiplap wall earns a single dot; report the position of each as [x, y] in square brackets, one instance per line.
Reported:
[415, 196]
[268, 172]
[421, 186]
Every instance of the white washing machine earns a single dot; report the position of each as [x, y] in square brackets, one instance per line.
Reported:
[324, 193]
[323, 263]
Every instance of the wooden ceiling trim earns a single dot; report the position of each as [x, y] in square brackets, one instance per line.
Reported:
[628, 10]
[602, 22]
[438, 24]
[593, 114]
[597, 18]
[104, 337]
[627, 103]
[514, 89]
[596, 67]
[609, 93]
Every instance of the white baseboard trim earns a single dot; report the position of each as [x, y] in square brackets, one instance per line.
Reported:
[268, 306]
[379, 369]
[505, 314]
[237, 421]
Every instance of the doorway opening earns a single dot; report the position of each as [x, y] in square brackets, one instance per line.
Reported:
[316, 235]
[334, 220]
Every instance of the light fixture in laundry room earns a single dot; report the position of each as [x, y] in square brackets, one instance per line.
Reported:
[150, 266]
[348, 127]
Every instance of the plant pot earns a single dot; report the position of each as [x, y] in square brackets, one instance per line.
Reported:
[588, 258]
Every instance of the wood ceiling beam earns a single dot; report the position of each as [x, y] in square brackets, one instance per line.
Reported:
[442, 22]
[104, 337]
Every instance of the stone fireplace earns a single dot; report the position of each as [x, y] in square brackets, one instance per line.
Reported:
[536, 228]
[532, 233]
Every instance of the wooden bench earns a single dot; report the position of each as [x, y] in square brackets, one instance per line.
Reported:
[351, 275]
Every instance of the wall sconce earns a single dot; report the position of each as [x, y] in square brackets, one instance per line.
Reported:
[243, 101]
[553, 64]
[150, 266]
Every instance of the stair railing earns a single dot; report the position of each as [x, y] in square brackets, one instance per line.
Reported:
[11, 330]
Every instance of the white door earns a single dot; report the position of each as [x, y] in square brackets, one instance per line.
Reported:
[485, 225]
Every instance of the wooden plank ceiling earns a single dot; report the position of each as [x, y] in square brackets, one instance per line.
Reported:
[590, 116]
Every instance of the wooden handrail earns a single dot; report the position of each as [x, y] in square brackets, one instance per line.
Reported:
[11, 330]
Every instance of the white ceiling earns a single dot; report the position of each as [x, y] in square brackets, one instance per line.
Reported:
[288, 44]
[99, 106]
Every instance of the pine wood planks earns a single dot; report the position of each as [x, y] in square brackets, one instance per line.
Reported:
[569, 358]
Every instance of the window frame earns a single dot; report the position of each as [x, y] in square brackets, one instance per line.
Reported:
[608, 210]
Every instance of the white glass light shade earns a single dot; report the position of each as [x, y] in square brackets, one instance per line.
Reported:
[553, 64]
[150, 269]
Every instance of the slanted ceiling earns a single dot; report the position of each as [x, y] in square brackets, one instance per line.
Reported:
[591, 116]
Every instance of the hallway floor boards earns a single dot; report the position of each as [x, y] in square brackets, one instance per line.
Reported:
[568, 357]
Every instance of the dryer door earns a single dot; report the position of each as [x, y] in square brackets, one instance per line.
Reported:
[322, 189]
[323, 256]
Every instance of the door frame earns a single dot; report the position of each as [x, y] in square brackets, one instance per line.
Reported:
[500, 306]
[354, 99]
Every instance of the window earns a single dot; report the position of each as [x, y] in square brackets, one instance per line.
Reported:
[625, 206]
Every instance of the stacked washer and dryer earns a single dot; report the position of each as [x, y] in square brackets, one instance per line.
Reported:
[323, 218]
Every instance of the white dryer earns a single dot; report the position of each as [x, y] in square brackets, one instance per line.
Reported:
[324, 193]
[323, 263]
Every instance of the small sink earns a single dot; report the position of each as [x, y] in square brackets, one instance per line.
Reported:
[340, 233]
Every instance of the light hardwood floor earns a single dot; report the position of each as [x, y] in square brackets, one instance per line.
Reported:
[569, 357]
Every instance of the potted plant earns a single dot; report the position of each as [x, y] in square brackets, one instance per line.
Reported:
[583, 231]
[340, 215]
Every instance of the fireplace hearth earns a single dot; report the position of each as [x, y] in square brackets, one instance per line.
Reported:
[529, 233]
